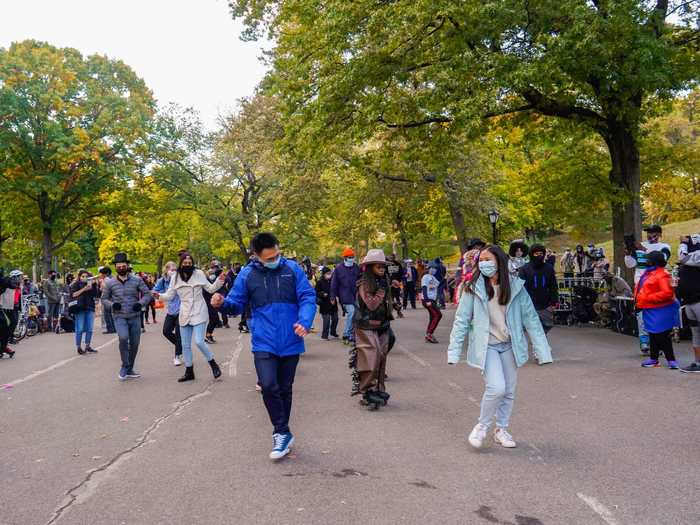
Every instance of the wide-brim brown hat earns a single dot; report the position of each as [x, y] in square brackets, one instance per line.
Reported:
[375, 256]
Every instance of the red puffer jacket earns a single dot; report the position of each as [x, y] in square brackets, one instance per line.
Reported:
[655, 290]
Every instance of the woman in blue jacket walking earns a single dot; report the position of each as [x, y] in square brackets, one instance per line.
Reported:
[494, 310]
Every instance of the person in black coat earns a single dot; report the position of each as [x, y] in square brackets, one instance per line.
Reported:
[327, 308]
[541, 284]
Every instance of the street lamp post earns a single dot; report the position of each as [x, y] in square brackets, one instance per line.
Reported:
[493, 219]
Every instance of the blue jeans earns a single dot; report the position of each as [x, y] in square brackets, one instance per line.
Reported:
[83, 325]
[129, 332]
[349, 312]
[186, 333]
[276, 377]
[501, 377]
[643, 334]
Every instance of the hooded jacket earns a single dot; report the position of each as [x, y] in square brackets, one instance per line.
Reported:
[472, 319]
[541, 284]
[278, 299]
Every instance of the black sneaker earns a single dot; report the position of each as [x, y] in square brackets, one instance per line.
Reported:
[695, 367]
[81, 351]
[90, 350]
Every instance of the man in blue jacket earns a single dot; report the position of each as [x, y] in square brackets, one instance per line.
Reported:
[283, 306]
[344, 288]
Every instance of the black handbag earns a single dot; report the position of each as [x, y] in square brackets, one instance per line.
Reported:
[74, 307]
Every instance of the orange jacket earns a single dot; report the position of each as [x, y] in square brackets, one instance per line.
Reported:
[656, 290]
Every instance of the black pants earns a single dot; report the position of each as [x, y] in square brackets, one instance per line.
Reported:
[244, 319]
[5, 332]
[213, 320]
[224, 319]
[171, 331]
[661, 342]
[13, 316]
[409, 295]
[152, 308]
[396, 296]
[330, 325]
[276, 377]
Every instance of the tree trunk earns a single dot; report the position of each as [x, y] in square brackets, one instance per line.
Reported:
[626, 205]
[159, 264]
[46, 250]
[403, 237]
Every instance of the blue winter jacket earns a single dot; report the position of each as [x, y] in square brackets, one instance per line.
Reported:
[279, 299]
[472, 319]
[162, 287]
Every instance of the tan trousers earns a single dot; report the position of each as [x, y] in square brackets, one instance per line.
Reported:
[372, 349]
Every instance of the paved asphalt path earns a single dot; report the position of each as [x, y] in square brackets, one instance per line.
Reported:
[600, 440]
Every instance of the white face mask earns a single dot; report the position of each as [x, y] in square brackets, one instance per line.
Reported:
[488, 268]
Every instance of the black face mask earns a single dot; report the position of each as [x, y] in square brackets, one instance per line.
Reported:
[122, 271]
[186, 271]
[538, 260]
[53, 277]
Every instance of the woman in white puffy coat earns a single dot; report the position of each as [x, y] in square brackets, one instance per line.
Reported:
[187, 283]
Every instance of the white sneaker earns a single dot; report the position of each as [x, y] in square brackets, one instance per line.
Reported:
[478, 435]
[503, 438]
[177, 361]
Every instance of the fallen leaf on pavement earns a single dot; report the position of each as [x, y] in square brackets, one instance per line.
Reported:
[124, 419]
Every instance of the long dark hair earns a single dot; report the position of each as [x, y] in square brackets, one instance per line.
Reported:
[503, 275]
[372, 281]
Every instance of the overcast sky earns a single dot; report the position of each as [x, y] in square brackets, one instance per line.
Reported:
[187, 51]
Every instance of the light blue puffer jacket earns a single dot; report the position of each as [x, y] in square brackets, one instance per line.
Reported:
[473, 317]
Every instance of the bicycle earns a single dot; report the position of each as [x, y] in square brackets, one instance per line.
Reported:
[28, 323]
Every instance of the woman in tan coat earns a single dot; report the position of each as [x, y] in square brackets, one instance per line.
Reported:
[372, 331]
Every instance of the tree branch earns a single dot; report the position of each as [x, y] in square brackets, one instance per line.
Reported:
[554, 108]
[415, 124]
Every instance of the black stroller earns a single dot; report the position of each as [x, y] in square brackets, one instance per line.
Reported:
[583, 299]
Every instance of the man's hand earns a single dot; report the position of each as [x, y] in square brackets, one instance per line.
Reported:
[428, 303]
[116, 306]
[222, 276]
[395, 284]
[217, 300]
[300, 330]
[137, 307]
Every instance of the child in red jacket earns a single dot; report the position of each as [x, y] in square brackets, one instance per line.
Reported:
[655, 298]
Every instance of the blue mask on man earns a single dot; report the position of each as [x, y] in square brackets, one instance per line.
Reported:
[273, 265]
[349, 262]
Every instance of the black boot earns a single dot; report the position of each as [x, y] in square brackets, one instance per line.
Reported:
[370, 401]
[189, 375]
[81, 351]
[377, 397]
[383, 395]
[215, 369]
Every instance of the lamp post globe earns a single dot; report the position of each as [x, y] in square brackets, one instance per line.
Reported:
[493, 219]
